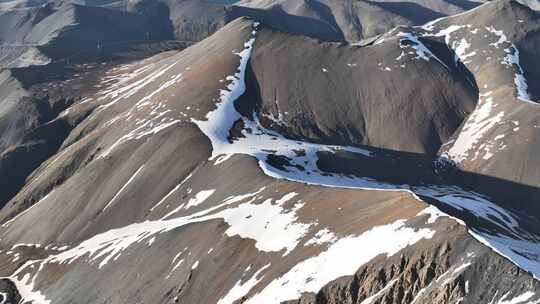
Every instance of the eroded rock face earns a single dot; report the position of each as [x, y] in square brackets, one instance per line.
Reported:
[449, 269]
[257, 167]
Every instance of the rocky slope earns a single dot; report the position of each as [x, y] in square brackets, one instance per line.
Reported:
[260, 166]
[62, 32]
[38, 32]
[357, 20]
[336, 20]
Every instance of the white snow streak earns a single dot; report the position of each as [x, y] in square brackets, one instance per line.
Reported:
[421, 50]
[241, 289]
[340, 259]
[523, 298]
[476, 127]
[199, 198]
[372, 298]
[124, 187]
[269, 224]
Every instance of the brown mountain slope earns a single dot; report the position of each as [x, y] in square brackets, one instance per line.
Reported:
[190, 177]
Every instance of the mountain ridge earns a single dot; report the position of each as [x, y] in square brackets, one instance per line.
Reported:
[193, 166]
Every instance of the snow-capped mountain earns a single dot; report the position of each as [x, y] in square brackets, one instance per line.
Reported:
[388, 154]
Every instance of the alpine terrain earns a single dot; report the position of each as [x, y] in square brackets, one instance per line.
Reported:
[270, 151]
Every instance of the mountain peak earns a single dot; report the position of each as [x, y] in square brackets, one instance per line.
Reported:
[269, 151]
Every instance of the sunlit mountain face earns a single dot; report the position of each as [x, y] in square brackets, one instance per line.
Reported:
[269, 151]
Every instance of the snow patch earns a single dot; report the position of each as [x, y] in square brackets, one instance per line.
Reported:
[322, 236]
[270, 225]
[523, 298]
[199, 198]
[340, 259]
[422, 51]
[478, 124]
[241, 289]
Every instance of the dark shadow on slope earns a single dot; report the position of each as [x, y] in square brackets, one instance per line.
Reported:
[9, 292]
[464, 4]
[325, 13]
[157, 18]
[448, 56]
[38, 141]
[250, 101]
[36, 74]
[528, 57]
[102, 32]
[278, 19]
[17, 163]
[420, 170]
[411, 11]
